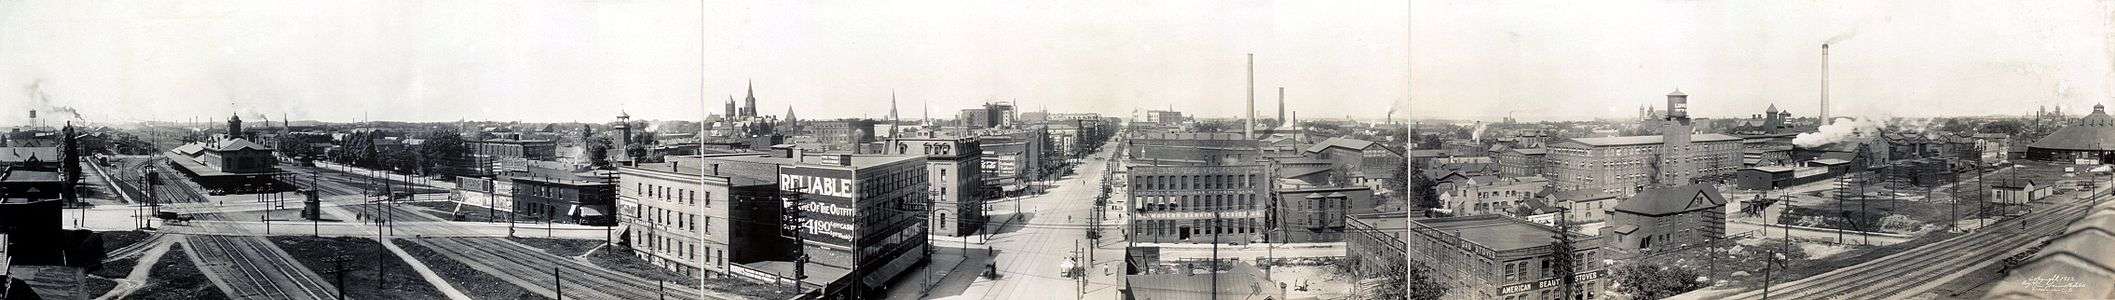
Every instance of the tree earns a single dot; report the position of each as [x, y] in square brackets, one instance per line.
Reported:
[443, 149]
[1423, 191]
[1419, 286]
[598, 152]
[1650, 281]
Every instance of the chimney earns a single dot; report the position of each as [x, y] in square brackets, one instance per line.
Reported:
[1824, 84]
[1249, 131]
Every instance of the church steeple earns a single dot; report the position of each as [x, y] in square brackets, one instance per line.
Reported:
[730, 108]
[749, 100]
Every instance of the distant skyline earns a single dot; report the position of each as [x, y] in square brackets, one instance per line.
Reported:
[1542, 60]
[544, 61]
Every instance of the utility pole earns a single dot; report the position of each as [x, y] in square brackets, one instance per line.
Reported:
[338, 270]
[797, 219]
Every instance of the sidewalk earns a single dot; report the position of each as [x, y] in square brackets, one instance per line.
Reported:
[950, 270]
[358, 171]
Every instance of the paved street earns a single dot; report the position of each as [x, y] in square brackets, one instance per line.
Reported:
[1031, 249]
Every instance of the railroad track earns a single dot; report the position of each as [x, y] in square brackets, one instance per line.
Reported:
[1892, 276]
[533, 266]
[266, 273]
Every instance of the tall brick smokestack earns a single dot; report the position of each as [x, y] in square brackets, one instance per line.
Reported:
[1824, 84]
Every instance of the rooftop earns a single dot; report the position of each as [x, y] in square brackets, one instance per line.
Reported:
[29, 176]
[859, 161]
[1660, 201]
[1649, 139]
[1355, 144]
[1500, 233]
[2095, 131]
[22, 154]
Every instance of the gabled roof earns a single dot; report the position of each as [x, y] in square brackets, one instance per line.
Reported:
[2015, 184]
[22, 154]
[1354, 144]
[236, 144]
[1661, 201]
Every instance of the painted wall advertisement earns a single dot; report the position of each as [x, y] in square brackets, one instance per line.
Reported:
[828, 205]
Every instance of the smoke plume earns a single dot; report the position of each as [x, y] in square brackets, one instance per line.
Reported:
[1835, 132]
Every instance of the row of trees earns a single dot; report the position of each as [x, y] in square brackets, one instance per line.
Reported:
[440, 149]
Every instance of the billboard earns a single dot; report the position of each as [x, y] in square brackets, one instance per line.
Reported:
[828, 204]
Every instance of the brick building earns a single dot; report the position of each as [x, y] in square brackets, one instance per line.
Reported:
[952, 163]
[1626, 164]
[1198, 204]
[1666, 218]
[1501, 257]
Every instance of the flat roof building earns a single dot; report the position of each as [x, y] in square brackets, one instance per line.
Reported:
[1500, 257]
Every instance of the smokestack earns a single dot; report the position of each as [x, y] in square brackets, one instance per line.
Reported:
[1250, 130]
[1824, 84]
[1281, 106]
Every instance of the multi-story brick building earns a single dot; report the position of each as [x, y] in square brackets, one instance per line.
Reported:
[1502, 257]
[1522, 162]
[1191, 149]
[1316, 214]
[862, 222]
[953, 165]
[1378, 240]
[1199, 204]
[1626, 164]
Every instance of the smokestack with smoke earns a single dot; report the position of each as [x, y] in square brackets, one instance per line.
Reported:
[1835, 132]
[1824, 84]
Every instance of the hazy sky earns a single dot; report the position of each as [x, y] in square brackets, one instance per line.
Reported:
[587, 60]
[1560, 59]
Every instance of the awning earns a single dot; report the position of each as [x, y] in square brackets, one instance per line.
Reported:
[1623, 229]
[590, 211]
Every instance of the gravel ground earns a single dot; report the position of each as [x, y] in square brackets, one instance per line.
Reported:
[476, 284]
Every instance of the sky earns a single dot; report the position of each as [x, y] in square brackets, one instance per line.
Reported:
[548, 61]
[1544, 60]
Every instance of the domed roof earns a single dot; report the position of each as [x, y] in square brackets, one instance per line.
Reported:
[2095, 131]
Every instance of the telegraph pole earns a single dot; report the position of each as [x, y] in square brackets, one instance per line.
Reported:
[338, 270]
[797, 219]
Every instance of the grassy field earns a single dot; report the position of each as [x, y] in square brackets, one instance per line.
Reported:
[175, 277]
[470, 281]
[363, 279]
